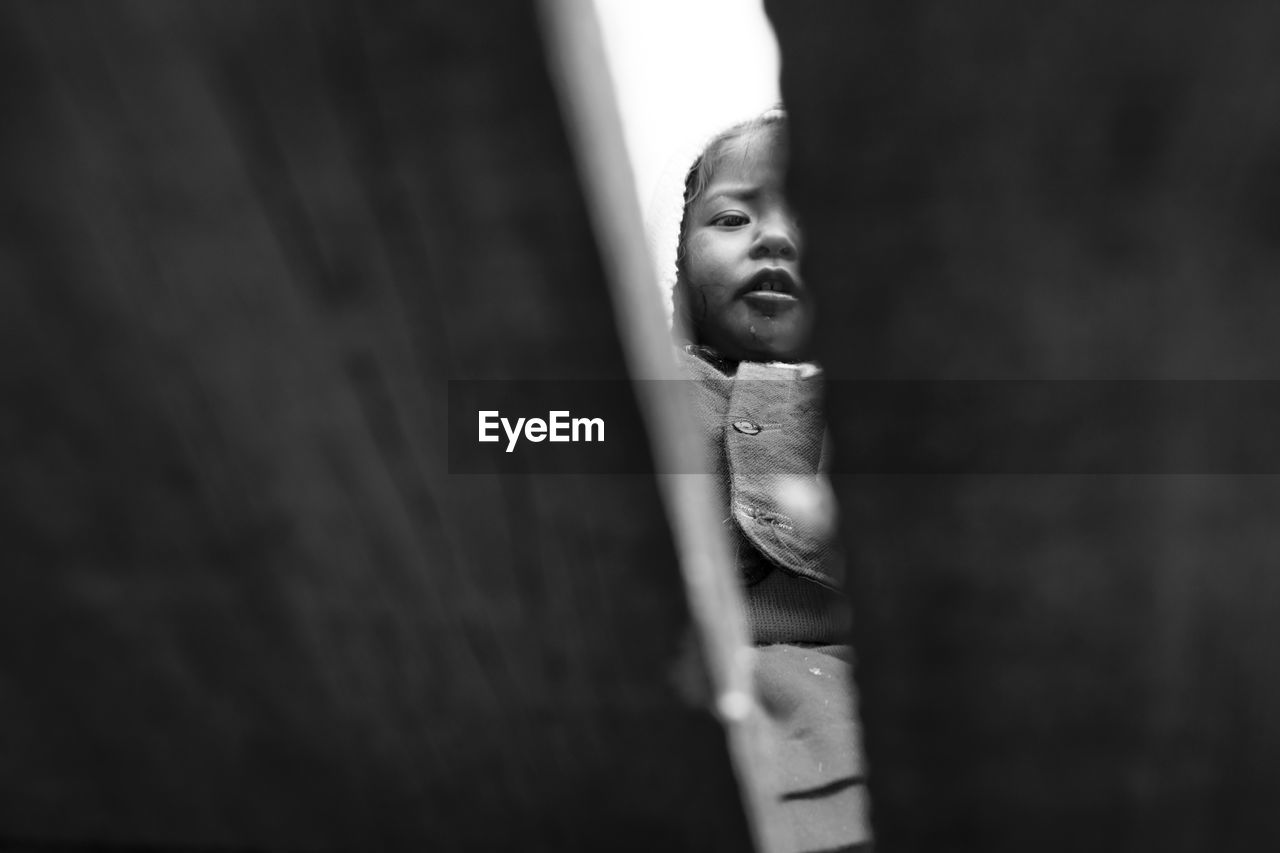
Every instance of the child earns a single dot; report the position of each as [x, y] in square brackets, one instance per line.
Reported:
[743, 316]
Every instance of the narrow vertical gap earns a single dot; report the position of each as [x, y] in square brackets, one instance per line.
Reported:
[579, 68]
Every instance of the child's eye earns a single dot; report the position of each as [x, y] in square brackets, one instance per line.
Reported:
[731, 220]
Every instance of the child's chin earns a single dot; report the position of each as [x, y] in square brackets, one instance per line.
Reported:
[783, 342]
[748, 337]
[783, 349]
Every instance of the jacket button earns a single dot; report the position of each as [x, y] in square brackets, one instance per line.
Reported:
[746, 427]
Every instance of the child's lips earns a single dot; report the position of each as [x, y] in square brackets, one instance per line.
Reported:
[771, 290]
[769, 300]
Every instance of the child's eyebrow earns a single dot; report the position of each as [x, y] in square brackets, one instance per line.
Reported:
[735, 192]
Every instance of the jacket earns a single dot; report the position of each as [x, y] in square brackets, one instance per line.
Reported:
[764, 430]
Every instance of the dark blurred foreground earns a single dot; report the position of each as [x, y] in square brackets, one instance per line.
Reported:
[1052, 658]
[246, 606]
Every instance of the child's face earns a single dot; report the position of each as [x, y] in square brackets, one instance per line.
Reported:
[742, 263]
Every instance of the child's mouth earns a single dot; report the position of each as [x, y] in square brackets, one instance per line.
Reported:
[771, 290]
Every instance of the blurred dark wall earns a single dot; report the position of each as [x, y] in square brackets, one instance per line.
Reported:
[245, 605]
[1082, 191]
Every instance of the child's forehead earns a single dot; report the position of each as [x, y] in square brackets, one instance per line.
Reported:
[756, 149]
[746, 164]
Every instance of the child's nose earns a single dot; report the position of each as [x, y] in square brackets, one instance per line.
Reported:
[777, 237]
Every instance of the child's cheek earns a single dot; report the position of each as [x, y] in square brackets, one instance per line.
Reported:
[708, 262]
